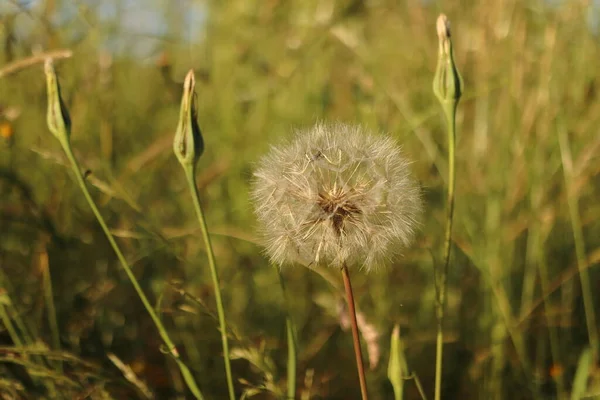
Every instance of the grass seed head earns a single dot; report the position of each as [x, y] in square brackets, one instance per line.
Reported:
[335, 194]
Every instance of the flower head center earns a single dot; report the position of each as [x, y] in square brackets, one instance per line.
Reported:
[338, 207]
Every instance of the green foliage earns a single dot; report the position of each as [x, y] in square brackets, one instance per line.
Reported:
[581, 375]
[515, 321]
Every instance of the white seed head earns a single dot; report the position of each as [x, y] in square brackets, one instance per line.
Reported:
[335, 194]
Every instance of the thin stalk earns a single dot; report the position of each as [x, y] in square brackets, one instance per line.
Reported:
[189, 173]
[292, 358]
[10, 328]
[18, 342]
[448, 88]
[586, 288]
[172, 350]
[33, 60]
[554, 338]
[20, 324]
[292, 344]
[355, 337]
[49, 297]
[450, 113]
[21, 337]
[419, 386]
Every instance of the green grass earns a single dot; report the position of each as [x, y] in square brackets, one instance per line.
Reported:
[526, 236]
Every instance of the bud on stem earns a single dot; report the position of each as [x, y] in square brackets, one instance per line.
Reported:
[188, 144]
[57, 118]
[447, 83]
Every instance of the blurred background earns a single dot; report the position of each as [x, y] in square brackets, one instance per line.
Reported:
[524, 279]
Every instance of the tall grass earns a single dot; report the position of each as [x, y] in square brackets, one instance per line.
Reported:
[519, 317]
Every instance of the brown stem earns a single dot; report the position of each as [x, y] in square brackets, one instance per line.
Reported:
[35, 59]
[355, 337]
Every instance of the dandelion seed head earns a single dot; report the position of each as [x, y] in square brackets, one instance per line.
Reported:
[335, 194]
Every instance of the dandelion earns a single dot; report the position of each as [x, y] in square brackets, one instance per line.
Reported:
[340, 196]
[336, 195]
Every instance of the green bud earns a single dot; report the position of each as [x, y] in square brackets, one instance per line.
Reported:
[188, 144]
[447, 83]
[57, 118]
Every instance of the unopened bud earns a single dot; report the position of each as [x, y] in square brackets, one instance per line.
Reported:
[447, 83]
[57, 118]
[188, 144]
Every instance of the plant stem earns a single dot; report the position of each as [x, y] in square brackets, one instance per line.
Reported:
[356, 338]
[292, 344]
[36, 59]
[49, 297]
[19, 343]
[292, 358]
[172, 350]
[10, 328]
[576, 226]
[551, 319]
[189, 173]
[450, 113]
[20, 335]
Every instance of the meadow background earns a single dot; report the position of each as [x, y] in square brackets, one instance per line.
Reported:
[526, 233]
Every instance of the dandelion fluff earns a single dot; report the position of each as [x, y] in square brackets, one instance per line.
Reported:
[335, 195]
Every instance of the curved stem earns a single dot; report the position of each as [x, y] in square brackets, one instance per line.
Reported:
[355, 336]
[450, 113]
[172, 350]
[189, 173]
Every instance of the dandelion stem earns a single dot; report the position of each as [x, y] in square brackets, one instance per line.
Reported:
[190, 175]
[355, 336]
[172, 350]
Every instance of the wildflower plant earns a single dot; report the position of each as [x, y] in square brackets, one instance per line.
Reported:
[188, 146]
[336, 195]
[59, 124]
[448, 88]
